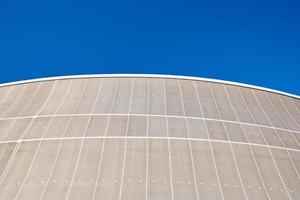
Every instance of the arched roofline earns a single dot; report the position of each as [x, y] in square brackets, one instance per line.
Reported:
[149, 76]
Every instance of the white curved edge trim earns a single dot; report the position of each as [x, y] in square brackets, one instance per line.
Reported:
[149, 76]
[143, 138]
[148, 115]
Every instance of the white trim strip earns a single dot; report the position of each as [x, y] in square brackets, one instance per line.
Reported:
[34, 139]
[150, 76]
[142, 137]
[147, 142]
[148, 115]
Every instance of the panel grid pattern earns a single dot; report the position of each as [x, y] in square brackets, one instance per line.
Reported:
[147, 138]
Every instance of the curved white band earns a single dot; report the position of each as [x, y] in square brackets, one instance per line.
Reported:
[149, 76]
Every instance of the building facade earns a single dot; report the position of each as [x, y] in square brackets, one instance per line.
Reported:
[147, 137]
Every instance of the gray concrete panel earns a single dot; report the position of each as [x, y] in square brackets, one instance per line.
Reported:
[254, 106]
[60, 178]
[16, 130]
[159, 180]
[140, 96]
[296, 137]
[197, 128]
[39, 99]
[4, 91]
[117, 125]
[6, 152]
[157, 127]
[288, 139]
[17, 171]
[97, 126]
[271, 137]
[121, 103]
[282, 110]
[287, 172]
[57, 97]
[72, 97]
[291, 108]
[216, 130]
[296, 102]
[86, 174]
[147, 138]
[4, 127]
[22, 100]
[222, 102]
[8, 101]
[269, 174]
[239, 104]
[38, 128]
[253, 134]
[89, 96]
[137, 126]
[228, 174]
[177, 127]
[77, 126]
[182, 170]
[40, 171]
[190, 99]
[57, 127]
[108, 186]
[295, 156]
[268, 109]
[173, 97]
[250, 174]
[234, 132]
[134, 178]
[206, 176]
[156, 97]
[106, 96]
[207, 102]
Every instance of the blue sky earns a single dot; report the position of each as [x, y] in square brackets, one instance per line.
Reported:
[255, 42]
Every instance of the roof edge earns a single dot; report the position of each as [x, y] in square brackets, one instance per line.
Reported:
[149, 76]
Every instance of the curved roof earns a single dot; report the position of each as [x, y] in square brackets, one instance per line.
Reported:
[151, 76]
[147, 137]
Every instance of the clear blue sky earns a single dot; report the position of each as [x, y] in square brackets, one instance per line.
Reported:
[249, 41]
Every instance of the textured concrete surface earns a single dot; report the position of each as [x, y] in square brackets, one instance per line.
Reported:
[147, 138]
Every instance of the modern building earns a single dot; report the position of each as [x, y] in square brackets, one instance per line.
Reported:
[147, 137]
